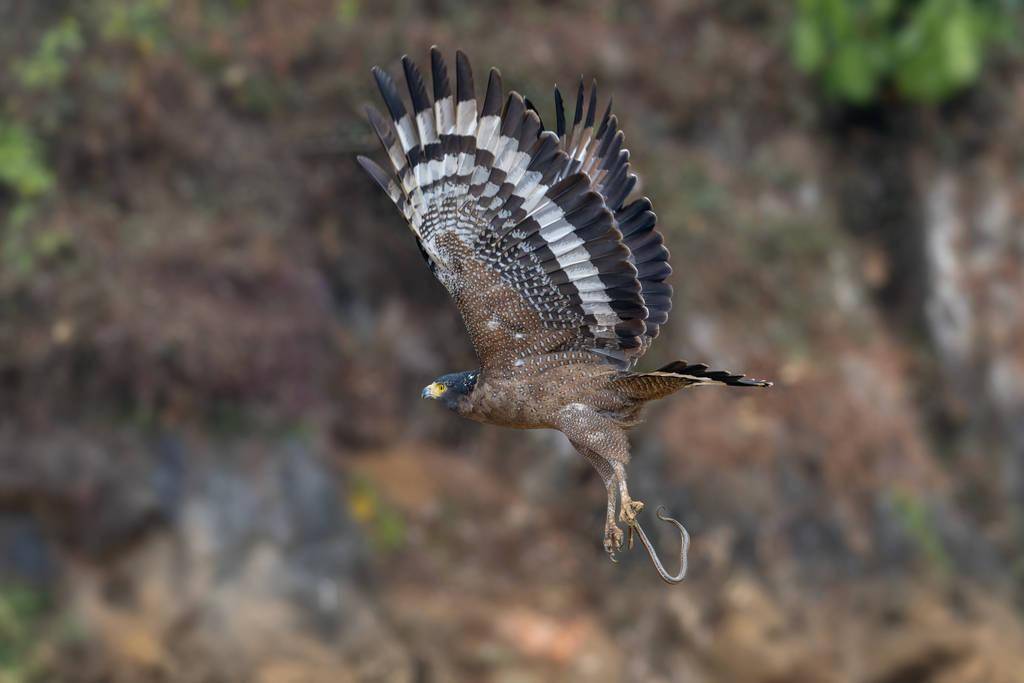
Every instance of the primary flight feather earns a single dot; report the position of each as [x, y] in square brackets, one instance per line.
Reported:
[560, 281]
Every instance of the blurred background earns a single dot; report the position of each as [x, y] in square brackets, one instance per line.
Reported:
[214, 462]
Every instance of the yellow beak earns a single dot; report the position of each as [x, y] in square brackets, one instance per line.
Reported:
[433, 390]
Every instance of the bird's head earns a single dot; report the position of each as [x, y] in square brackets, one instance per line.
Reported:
[453, 389]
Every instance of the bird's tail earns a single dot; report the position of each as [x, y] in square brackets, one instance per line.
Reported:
[648, 386]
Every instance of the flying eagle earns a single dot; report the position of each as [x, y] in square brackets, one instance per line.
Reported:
[560, 281]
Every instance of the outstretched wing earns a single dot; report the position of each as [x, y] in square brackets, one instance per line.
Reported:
[526, 228]
[603, 157]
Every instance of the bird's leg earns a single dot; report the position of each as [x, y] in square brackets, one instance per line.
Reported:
[613, 537]
[604, 444]
[612, 532]
[628, 508]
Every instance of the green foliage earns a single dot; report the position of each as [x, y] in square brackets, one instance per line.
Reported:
[142, 22]
[917, 522]
[21, 613]
[347, 12]
[22, 167]
[24, 170]
[48, 65]
[927, 49]
[23, 246]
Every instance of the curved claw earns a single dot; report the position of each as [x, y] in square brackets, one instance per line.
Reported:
[684, 550]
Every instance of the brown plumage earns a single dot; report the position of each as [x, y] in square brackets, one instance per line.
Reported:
[560, 282]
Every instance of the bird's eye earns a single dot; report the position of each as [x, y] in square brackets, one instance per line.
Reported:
[441, 388]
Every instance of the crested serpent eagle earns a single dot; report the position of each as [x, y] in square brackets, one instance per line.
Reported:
[560, 279]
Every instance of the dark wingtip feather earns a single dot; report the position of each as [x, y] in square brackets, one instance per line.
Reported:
[578, 116]
[439, 74]
[606, 139]
[376, 172]
[512, 114]
[372, 115]
[618, 193]
[559, 113]
[530, 106]
[613, 150]
[379, 124]
[604, 119]
[390, 94]
[492, 100]
[532, 126]
[592, 105]
[417, 91]
[464, 77]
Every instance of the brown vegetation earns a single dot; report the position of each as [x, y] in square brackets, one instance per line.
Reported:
[213, 330]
